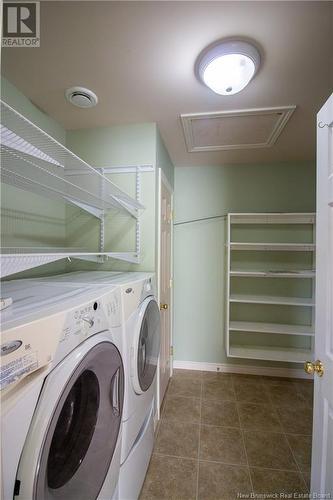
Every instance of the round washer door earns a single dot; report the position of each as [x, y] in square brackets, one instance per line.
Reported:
[146, 345]
[77, 444]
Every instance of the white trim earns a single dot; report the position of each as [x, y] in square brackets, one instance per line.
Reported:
[161, 178]
[187, 119]
[166, 182]
[271, 371]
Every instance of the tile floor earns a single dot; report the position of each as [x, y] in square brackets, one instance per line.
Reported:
[224, 435]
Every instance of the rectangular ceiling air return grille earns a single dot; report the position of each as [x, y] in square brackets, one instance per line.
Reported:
[241, 129]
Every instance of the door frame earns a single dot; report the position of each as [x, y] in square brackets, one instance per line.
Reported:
[162, 178]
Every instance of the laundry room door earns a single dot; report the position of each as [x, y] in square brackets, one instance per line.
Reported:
[165, 284]
[322, 365]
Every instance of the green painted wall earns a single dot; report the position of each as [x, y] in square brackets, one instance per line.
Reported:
[123, 145]
[163, 159]
[28, 219]
[199, 247]
[12, 96]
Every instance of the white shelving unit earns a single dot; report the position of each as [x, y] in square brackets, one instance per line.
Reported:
[34, 161]
[287, 341]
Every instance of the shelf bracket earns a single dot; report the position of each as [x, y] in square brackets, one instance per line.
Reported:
[96, 212]
[91, 258]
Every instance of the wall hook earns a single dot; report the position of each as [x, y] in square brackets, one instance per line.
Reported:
[323, 125]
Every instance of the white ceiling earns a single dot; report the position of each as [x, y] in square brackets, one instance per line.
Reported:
[139, 58]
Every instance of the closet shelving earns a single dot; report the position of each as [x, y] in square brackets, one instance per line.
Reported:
[34, 161]
[270, 271]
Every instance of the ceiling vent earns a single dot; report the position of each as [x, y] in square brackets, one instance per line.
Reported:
[240, 129]
[81, 97]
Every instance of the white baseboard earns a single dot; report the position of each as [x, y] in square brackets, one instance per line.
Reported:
[272, 371]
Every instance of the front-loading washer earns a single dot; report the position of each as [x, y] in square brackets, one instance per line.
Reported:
[141, 331]
[62, 392]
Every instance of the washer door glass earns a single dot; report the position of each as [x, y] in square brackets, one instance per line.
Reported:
[148, 344]
[84, 428]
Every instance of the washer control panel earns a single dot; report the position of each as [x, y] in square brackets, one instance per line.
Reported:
[87, 320]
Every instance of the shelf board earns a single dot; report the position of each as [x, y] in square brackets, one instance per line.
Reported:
[259, 327]
[273, 218]
[15, 263]
[289, 247]
[34, 161]
[289, 355]
[304, 273]
[269, 299]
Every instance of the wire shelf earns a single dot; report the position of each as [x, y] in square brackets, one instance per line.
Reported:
[35, 161]
[15, 260]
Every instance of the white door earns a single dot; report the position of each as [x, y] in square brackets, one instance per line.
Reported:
[322, 454]
[165, 283]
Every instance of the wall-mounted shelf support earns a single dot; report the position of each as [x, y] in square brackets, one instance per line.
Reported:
[96, 212]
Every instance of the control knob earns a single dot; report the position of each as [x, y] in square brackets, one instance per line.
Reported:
[88, 321]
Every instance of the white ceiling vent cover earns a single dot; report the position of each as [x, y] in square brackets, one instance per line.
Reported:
[240, 129]
[81, 97]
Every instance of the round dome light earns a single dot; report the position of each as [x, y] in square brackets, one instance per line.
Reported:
[81, 97]
[227, 67]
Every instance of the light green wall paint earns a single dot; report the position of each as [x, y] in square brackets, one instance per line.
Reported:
[163, 159]
[199, 247]
[123, 145]
[28, 219]
[12, 96]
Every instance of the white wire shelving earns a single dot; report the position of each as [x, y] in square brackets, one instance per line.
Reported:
[34, 161]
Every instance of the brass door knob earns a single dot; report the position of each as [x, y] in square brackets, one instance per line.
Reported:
[316, 367]
[164, 307]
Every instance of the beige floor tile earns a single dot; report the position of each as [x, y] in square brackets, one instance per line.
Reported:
[296, 420]
[251, 391]
[216, 376]
[220, 388]
[222, 444]
[185, 387]
[224, 482]
[306, 389]
[188, 374]
[270, 381]
[260, 417]
[301, 448]
[286, 395]
[268, 482]
[182, 409]
[178, 438]
[221, 413]
[268, 450]
[244, 377]
[170, 478]
[307, 479]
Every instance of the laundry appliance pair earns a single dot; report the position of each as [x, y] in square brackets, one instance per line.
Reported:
[139, 319]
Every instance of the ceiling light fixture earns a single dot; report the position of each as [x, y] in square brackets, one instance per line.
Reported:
[228, 66]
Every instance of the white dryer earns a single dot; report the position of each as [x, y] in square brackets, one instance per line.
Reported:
[62, 398]
[141, 330]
